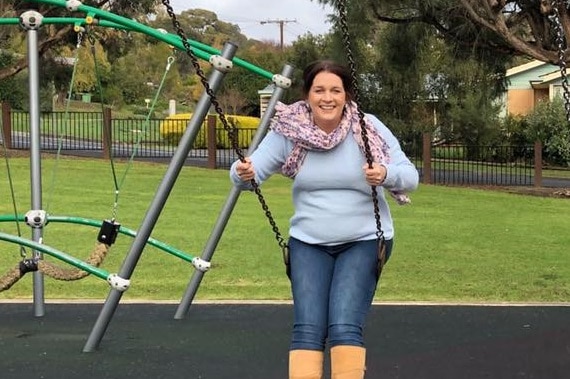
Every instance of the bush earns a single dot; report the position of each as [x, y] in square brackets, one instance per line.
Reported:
[548, 123]
[172, 128]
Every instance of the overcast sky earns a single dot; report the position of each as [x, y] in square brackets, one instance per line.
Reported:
[305, 16]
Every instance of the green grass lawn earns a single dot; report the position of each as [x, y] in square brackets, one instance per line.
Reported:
[452, 244]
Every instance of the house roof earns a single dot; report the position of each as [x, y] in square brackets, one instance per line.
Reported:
[553, 76]
[535, 74]
[525, 67]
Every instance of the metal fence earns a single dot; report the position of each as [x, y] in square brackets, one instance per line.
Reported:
[81, 133]
[483, 165]
[76, 130]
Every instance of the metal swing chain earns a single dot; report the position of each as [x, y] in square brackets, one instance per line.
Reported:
[368, 153]
[92, 44]
[231, 130]
[66, 118]
[23, 253]
[554, 17]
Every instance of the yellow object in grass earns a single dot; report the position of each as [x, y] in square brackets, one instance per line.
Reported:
[172, 128]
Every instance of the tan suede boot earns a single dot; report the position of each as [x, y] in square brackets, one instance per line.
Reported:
[348, 362]
[305, 364]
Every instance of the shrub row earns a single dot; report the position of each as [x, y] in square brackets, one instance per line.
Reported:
[172, 128]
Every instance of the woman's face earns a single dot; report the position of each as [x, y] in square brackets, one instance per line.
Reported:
[327, 98]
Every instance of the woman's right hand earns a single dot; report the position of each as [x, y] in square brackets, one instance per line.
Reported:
[244, 170]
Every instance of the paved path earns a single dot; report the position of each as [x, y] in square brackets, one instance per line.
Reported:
[238, 341]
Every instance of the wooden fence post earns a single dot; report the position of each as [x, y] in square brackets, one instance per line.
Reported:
[7, 124]
[426, 158]
[211, 141]
[107, 133]
[538, 164]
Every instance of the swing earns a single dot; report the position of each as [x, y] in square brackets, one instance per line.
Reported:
[232, 134]
[26, 264]
[39, 218]
[230, 129]
[343, 16]
[109, 229]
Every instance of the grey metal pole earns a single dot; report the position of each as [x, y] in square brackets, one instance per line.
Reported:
[31, 20]
[228, 207]
[158, 202]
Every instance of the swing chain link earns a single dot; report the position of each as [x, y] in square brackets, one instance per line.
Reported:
[79, 40]
[115, 209]
[561, 44]
[23, 253]
[91, 39]
[230, 130]
[368, 153]
[171, 59]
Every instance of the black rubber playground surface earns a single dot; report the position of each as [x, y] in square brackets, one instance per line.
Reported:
[239, 341]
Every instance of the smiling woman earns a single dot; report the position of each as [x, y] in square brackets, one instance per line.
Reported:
[337, 246]
[326, 99]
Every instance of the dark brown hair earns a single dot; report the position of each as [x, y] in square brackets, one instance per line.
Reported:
[327, 66]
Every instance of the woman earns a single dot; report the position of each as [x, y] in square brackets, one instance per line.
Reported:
[333, 254]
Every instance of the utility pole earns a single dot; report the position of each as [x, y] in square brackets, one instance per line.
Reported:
[281, 24]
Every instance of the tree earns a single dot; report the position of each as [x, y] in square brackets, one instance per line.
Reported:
[52, 37]
[519, 27]
[92, 68]
[128, 86]
[548, 123]
[415, 78]
[13, 89]
[265, 55]
[232, 101]
[306, 49]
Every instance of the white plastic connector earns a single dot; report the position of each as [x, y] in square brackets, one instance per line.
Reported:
[72, 5]
[201, 264]
[281, 81]
[220, 63]
[36, 218]
[118, 283]
[31, 20]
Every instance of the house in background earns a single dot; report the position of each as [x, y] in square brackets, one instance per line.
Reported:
[530, 83]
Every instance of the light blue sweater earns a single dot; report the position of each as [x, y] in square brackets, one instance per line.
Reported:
[332, 201]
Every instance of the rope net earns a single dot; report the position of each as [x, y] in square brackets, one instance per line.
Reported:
[96, 258]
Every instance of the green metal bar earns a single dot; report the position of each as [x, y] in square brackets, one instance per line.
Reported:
[100, 273]
[95, 223]
[8, 21]
[199, 49]
[69, 20]
[59, 21]
[109, 24]
[130, 24]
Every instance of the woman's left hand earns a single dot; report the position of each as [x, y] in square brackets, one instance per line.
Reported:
[376, 174]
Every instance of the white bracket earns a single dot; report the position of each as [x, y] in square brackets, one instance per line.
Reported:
[73, 5]
[220, 63]
[201, 264]
[36, 218]
[118, 283]
[31, 20]
[281, 81]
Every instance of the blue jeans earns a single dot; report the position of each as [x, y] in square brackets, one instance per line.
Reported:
[333, 288]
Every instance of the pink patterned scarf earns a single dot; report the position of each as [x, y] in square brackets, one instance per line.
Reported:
[295, 123]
